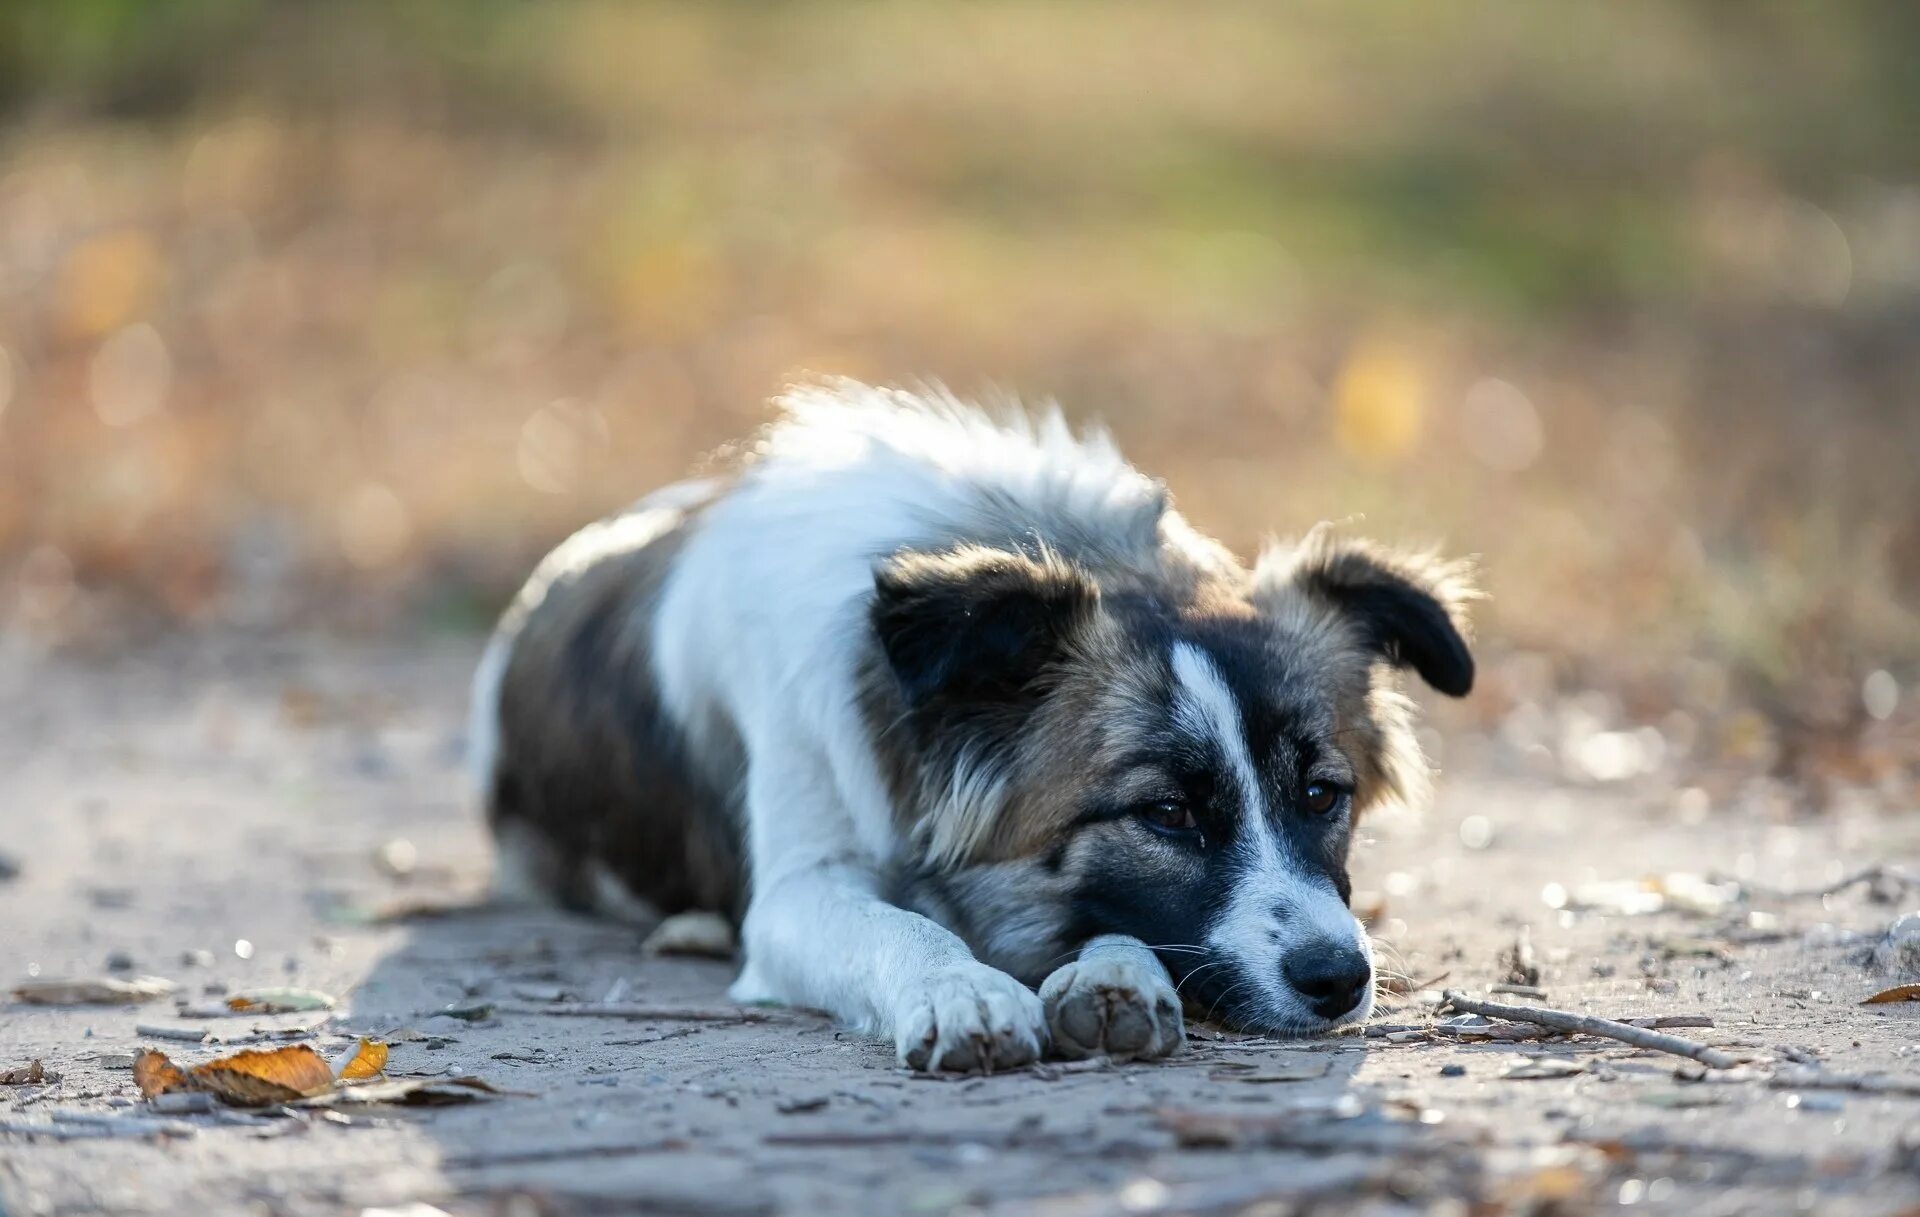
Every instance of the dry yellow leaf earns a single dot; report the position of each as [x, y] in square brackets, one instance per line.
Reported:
[1897, 993]
[246, 1079]
[368, 1058]
[33, 1074]
[156, 1075]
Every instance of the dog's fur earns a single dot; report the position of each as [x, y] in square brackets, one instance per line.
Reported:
[939, 709]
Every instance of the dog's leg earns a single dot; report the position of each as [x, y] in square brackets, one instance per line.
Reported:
[817, 933]
[1115, 999]
[823, 937]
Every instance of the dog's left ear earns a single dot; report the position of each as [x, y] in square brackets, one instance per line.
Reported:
[974, 626]
[1410, 609]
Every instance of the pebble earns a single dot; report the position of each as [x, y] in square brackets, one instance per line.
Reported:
[119, 961]
[1453, 1071]
[1899, 951]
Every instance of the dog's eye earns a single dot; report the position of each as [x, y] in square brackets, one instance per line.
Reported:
[1321, 798]
[1169, 816]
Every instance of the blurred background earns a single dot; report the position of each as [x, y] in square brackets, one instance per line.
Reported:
[334, 316]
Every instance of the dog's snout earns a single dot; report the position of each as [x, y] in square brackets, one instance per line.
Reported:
[1331, 976]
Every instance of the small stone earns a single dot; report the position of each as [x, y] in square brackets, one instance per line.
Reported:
[399, 858]
[119, 961]
[1899, 951]
[196, 959]
[1453, 1071]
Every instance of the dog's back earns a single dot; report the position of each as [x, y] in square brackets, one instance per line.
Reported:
[608, 711]
[588, 788]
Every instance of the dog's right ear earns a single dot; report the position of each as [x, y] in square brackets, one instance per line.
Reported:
[976, 626]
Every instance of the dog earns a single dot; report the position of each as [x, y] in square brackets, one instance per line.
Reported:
[978, 744]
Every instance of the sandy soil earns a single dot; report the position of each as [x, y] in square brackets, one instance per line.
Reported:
[235, 802]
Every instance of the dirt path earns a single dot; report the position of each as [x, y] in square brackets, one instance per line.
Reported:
[233, 803]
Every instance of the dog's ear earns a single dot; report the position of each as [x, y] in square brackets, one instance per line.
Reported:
[975, 625]
[1409, 609]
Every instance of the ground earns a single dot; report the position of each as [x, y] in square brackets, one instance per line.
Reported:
[249, 803]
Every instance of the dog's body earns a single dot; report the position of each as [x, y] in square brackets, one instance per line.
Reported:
[940, 710]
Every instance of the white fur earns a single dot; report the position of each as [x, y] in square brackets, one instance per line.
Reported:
[852, 475]
[1277, 907]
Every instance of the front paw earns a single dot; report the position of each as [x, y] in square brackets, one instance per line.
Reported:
[1115, 1007]
[967, 1019]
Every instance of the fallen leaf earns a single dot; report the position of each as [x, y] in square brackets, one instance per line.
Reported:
[297, 1075]
[279, 1001]
[27, 1075]
[96, 991]
[365, 1059]
[246, 1079]
[155, 1075]
[1897, 993]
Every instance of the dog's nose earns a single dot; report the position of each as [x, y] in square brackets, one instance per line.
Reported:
[1331, 976]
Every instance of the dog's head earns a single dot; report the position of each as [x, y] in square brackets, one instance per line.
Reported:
[1180, 760]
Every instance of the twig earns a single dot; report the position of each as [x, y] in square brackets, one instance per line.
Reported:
[1586, 1024]
[641, 1013]
[1871, 874]
[1820, 1079]
[1513, 990]
[192, 1035]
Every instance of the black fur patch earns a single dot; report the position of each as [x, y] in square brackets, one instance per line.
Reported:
[1407, 609]
[588, 761]
[974, 628]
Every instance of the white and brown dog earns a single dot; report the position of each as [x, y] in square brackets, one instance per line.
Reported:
[941, 709]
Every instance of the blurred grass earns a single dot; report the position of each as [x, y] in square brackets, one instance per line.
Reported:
[340, 313]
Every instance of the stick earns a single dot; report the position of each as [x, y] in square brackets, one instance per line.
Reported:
[1868, 875]
[639, 1013]
[1820, 1079]
[192, 1035]
[1586, 1024]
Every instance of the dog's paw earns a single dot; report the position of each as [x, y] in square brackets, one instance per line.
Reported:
[967, 1019]
[1112, 1007]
